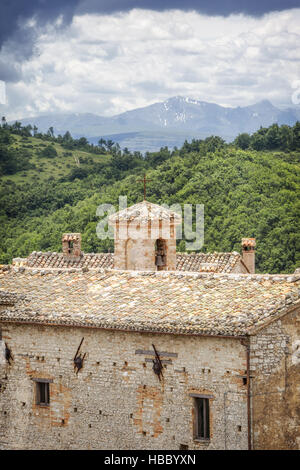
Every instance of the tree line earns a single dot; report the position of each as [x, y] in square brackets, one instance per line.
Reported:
[274, 137]
[245, 192]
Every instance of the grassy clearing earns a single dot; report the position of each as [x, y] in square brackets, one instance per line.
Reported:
[45, 168]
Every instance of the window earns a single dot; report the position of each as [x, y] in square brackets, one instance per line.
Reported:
[42, 392]
[201, 414]
[202, 418]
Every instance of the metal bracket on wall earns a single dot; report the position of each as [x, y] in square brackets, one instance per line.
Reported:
[78, 359]
[8, 354]
[157, 365]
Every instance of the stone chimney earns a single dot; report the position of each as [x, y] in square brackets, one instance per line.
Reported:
[248, 252]
[71, 245]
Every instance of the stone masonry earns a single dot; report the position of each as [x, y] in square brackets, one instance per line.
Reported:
[116, 401]
[275, 363]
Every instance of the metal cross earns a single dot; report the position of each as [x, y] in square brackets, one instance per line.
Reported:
[144, 180]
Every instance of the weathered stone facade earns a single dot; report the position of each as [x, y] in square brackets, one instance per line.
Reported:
[116, 401]
[275, 362]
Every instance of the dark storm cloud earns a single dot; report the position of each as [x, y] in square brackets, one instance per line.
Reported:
[14, 13]
[19, 38]
[216, 7]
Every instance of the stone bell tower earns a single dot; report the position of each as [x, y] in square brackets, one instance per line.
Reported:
[145, 238]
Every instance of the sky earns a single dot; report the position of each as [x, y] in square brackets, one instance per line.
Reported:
[110, 56]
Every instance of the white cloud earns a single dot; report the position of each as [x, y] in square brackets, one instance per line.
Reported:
[107, 64]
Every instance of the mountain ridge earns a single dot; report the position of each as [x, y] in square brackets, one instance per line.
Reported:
[173, 120]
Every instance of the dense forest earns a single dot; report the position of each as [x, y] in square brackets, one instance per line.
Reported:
[249, 188]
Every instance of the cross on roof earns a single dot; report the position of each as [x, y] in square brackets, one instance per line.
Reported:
[144, 180]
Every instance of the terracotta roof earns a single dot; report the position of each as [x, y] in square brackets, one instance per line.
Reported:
[170, 302]
[199, 262]
[207, 262]
[143, 212]
[58, 260]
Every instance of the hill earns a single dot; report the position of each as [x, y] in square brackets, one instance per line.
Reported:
[42, 167]
[245, 192]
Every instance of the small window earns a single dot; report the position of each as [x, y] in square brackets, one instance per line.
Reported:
[202, 418]
[42, 393]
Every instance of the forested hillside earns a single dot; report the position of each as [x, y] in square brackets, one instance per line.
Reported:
[249, 188]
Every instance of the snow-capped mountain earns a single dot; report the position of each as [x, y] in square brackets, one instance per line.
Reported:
[168, 123]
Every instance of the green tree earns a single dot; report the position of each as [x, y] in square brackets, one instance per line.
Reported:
[258, 141]
[296, 136]
[49, 152]
[273, 137]
[243, 141]
[286, 137]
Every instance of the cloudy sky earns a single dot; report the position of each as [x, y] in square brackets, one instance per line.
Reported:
[110, 56]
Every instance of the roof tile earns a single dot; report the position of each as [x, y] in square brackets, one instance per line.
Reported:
[198, 262]
[173, 302]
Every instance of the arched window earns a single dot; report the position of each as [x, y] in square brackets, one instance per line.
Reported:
[161, 254]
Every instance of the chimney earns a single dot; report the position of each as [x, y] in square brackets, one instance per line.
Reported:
[71, 245]
[248, 252]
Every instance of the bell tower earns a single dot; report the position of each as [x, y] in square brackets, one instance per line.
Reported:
[145, 238]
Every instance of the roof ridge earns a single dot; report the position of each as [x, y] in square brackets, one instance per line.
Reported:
[290, 277]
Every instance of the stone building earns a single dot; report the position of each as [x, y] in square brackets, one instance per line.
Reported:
[146, 349]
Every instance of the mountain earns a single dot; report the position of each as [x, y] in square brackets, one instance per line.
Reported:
[168, 123]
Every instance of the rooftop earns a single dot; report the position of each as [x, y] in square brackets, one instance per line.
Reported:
[163, 301]
[199, 262]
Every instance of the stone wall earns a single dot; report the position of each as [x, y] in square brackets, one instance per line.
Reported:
[116, 401]
[275, 366]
